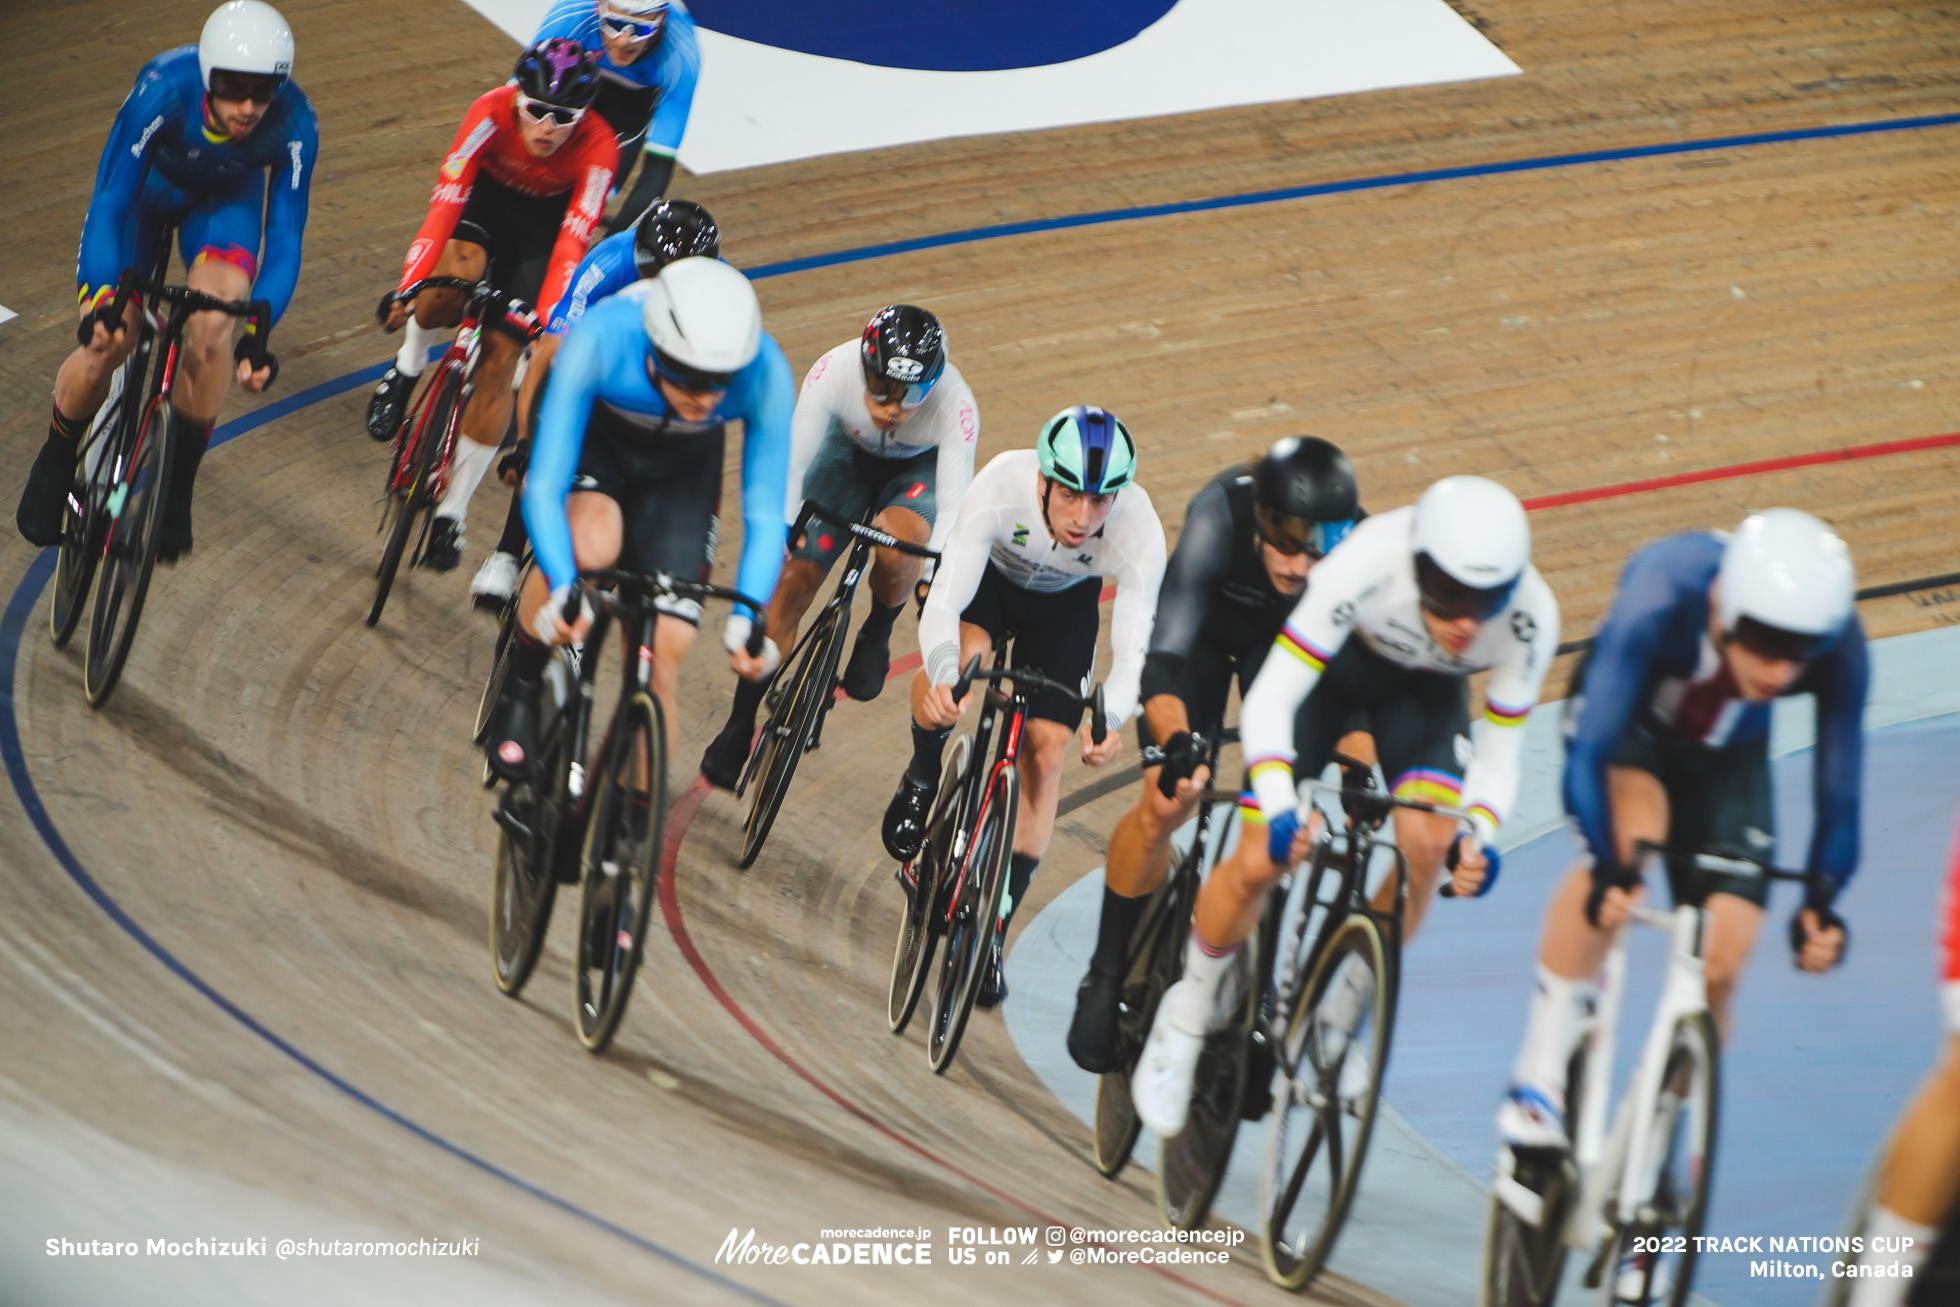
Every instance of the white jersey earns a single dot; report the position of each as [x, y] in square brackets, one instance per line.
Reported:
[832, 407]
[1001, 525]
[1367, 587]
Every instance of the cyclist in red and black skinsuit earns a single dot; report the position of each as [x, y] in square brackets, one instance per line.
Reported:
[517, 199]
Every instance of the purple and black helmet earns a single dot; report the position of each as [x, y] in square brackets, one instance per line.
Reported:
[559, 72]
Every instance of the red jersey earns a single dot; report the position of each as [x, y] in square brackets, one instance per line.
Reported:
[489, 140]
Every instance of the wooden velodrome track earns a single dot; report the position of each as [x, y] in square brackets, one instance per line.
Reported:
[283, 801]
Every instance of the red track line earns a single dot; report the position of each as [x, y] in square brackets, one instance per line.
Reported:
[670, 907]
[1879, 450]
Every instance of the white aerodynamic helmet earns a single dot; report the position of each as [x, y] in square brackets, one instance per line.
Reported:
[1787, 571]
[245, 36]
[703, 322]
[1471, 544]
[636, 8]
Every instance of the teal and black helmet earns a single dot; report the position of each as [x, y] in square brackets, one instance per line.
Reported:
[1087, 449]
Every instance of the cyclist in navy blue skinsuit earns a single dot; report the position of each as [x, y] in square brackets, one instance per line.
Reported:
[191, 147]
[1669, 742]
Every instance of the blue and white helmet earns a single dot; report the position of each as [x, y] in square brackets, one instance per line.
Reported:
[1087, 449]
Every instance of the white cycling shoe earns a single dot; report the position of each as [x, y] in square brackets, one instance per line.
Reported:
[1631, 1280]
[1161, 1085]
[495, 581]
[1529, 1118]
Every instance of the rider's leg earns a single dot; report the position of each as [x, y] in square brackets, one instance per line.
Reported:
[893, 574]
[1044, 747]
[484, 424]
[223, 273]
[903, 827]
[722, 761]
[79, 389]
[1920, 1179]
[1733, 923]
[436, 311]
[929, 741]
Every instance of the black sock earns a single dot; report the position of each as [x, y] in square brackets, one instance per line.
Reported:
[192, 440]
[1020, 871]
[926, 748]
[1120, 915]
[527, 657]
[512, 540]
[748, 697]
[64, 428]
[878, 622]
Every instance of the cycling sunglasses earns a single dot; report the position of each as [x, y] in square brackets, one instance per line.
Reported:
[636, 29]
[691, 380]
[1293, 536]
[907, 395]
[259, 88]
[1443, 596]
[1773, 643]
[540, 112]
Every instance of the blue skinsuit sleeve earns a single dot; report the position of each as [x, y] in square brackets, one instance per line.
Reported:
[608, 267]
[1842, 679]
[765, 472]
[1622, 652]
[568, 395]
[119, 178]
[677, 100]
[290, 184]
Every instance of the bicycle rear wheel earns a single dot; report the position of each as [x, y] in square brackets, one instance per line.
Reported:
[1191, 1164]
[408, 501]
[918, 928]
[790, 728]
[135, 512]
[627, 814]
[1330, 1087]
[975, 915]
[1678, 1170]
[531, 818]
[1156, 961]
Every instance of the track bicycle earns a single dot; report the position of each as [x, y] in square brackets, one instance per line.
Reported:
[801, 697]
[114, 515]
[955, 883]
[418, 468]
[1156, 957]
[601, 826]
[1640, 1180]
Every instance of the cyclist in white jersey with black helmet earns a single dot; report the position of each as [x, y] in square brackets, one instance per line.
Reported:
[884, 422]
[1435, 593]
[1037, 533]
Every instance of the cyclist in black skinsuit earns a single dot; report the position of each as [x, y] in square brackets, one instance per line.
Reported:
[1249, 539]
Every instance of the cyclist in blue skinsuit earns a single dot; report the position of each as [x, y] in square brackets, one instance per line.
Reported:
[626, 469]
[1669, 742]
[671, 229]
[191, 147]
[652, 60]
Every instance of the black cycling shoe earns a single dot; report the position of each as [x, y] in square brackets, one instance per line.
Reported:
[174, 534]
[905, 818]
[993, 978]
[1092, 1035]
[512, 740]
[45, 496]
[725, 756]
[871, 661]
[444, 552]
[390, 401]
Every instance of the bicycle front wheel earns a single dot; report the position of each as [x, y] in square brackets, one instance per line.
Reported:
[789, 730]
[1332, 1055]
[1675, 1174]
[974, 918]
[919, 928]
[627, 815]
[85, 520]
[493, 686]
[410, 476]
[135, 512]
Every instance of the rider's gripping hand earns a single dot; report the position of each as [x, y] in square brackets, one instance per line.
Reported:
[735, 635]
[1615, 892]
[393, 311]
[1473, 865]
[549, 625]
[1099, 755]
[1280, 834]
[254, 379]
[1818, 935]
[1183, 753]
[937, 709]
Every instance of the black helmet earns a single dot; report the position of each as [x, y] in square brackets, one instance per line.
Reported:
[1303, 496]
[674, 229]
[558, 72]
[904, 353]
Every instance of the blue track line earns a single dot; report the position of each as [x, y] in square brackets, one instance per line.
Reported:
[12, 625]
[1106, 216]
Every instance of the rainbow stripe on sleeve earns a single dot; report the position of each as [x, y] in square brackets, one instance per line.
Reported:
[1297, 645]
[1498, 715]
[1249, 810]
[1271, 762]
[1488, 813]
[1427, 786]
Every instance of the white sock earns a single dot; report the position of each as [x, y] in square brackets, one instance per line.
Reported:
[1347, 994]
[1886, 1290]
[413, 356]
[466, 469]
[1556, 1004]
[1197, 1001]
